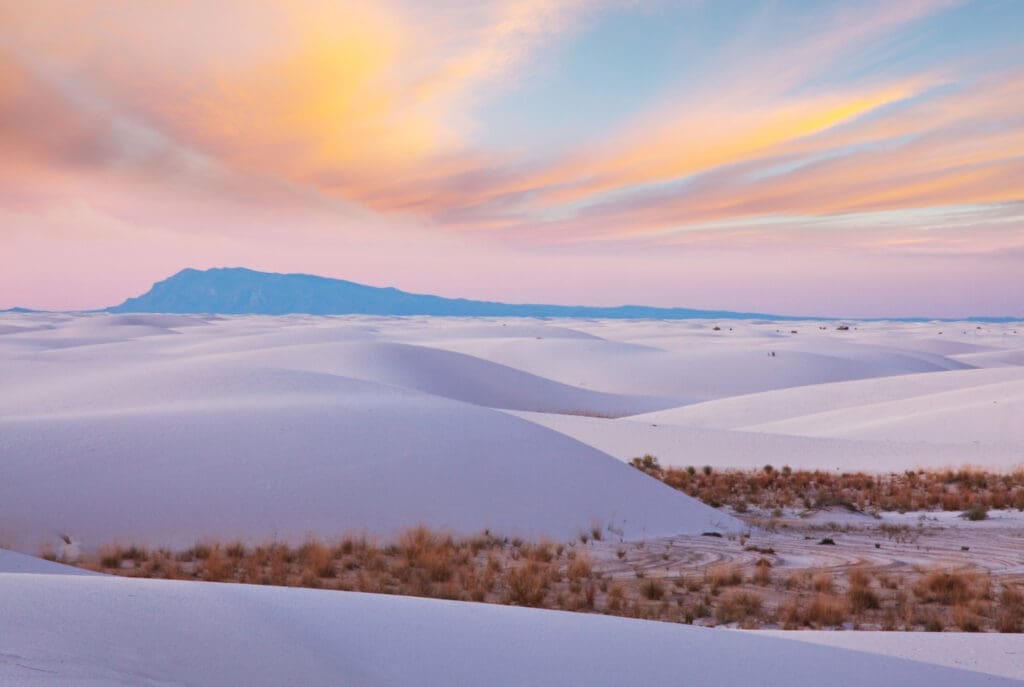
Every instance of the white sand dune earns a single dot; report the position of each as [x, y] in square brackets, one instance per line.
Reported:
[457, 376]
[996, 654]
[682, 446]
[748, 410]
[990, 413]
[356, 456]
[1014, 357]
[61, 629]
[164, 429]
[139, 444]
[13, 562]
[699, 372]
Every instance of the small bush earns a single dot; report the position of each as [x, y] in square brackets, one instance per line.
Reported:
[823, 582]
[1010, 613]
[975, 513]
[950, 588]
[724, 575]
[579, 568]
[762, 572]
[527, 585]
[652, 590]
[739, 606]
[860, 596]
[110, 556]
[966, 619]
[826, 611]
[216, 568]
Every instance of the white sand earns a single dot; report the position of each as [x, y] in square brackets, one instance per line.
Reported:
[124, 429]
[62, 629]
[995, 654]
[165, 429]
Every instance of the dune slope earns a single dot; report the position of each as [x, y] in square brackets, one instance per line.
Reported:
[112, 631]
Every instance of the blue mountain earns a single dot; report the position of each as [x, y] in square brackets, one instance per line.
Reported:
[238, 291]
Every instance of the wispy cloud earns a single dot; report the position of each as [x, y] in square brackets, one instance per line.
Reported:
[809, 126]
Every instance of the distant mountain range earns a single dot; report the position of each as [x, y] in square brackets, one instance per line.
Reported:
[240, 291]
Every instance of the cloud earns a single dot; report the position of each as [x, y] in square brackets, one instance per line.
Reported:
[336, 120]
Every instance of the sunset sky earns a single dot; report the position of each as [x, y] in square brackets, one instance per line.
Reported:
[857, 159]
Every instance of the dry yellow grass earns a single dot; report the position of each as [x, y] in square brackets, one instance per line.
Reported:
[571, 576]
[724, 575]
[961, 490]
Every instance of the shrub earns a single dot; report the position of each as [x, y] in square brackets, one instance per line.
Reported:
[652, 590]
[975, 513]
[762, 572]
[822, 582]
[579, 568]
[216, 568]
[527, 585]
[950, 588]
[859, 595]
[110, 556]
[724, 575]
[826, 611]
[739, 606]
[543, 551]
[862, 599]
[1010, 614]
[647, 463]
[966, 619]
[316, 559]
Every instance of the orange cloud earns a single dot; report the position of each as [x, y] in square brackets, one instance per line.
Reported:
[373, 104]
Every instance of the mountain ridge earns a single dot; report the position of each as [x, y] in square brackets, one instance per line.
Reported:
[243, 291]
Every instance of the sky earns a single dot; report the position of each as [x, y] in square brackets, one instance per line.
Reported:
[849, 159]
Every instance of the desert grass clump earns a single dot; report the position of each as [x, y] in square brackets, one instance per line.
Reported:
[579, 569]
[316, 559]
[724, 575]
[652, 589]
[527, 584]
[826, 611]
[543, 551]
[762, 572]
[739, 606]
[216, 567]
[111, 556]
[615, 601]
[790, 614]
[823, 582]
[976, 513]
[1010, 613]
[860, 595]
[966, 619]
[950, 587]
